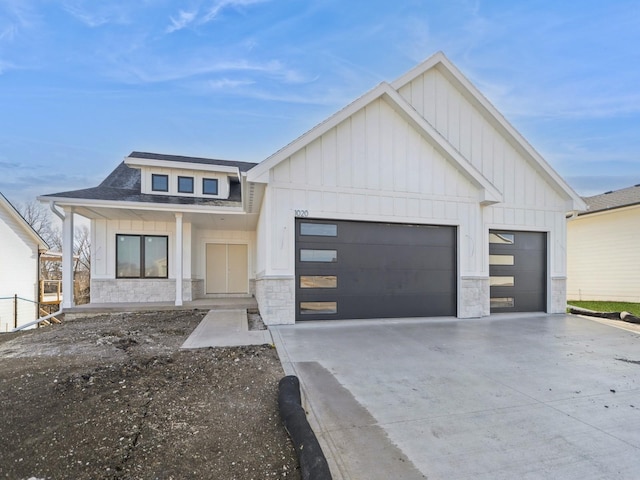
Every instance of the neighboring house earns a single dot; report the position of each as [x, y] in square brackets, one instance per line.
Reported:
[417, 199]
[20, 249]
[603, 248]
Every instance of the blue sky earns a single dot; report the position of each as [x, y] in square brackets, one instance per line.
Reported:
[85, 82]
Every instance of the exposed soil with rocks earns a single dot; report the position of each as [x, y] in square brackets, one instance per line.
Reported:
[114, 397]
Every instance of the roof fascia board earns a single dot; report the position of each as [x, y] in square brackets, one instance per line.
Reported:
[146, 162]
[260, 173]
[618, 209]
[17, 216]
[74, 202]
[471, 93]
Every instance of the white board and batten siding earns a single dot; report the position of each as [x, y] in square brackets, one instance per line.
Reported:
[530, 201]
[375, 167]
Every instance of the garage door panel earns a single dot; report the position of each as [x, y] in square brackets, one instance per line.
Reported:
[382, 271]
[396, 257]
[395, 282]
[517, 271]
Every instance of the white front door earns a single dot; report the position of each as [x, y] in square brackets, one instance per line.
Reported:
[227, 268]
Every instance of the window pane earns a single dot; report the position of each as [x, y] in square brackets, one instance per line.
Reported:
[307, 308]
[500, 259]
[501, 281]
[160, 183]
[319, 229]
[327, 256]
[502, 238]
[210, 186]
[185, 184]
[318, 281]
[502, 302]
[128, 256]
[155, 257]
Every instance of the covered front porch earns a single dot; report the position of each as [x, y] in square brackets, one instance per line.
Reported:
[207, 256]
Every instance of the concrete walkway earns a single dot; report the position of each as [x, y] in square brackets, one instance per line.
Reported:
[504, 397]
[225, 328]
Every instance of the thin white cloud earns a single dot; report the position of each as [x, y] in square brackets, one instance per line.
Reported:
[227, 83]
[187, 18]
[97, 14]
[220, 5]
[184, 19]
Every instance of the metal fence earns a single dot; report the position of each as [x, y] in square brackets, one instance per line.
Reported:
[16, 311]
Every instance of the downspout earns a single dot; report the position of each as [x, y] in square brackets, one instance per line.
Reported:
[54, 209]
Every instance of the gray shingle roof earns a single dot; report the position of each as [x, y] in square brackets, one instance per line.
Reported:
[614, 199]
[123, 185]
[242, 166]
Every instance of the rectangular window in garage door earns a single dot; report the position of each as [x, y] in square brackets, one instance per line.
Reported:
[315, 280]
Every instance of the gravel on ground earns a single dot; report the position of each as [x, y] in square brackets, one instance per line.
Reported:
[114, 397]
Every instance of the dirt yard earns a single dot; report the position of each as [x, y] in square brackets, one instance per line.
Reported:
[113, 397]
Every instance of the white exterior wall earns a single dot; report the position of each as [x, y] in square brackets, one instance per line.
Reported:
[18, 272]
[373, 167]
[604, 256]
[530, 202]
[106, 288]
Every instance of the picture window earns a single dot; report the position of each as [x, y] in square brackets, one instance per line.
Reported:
[142, 256]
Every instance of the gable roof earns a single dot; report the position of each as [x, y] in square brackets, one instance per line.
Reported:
[490, 194]
[625, 197]
[491, 114]
[389, 92]
[13, 211]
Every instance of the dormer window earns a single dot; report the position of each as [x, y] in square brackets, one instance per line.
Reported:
[160, 183]
[185, 184]
[210, 186]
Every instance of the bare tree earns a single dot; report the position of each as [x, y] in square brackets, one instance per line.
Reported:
[82, 264]
[39, 217]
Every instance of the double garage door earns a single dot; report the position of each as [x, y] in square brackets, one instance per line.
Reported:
[350, 270]
[374, 270]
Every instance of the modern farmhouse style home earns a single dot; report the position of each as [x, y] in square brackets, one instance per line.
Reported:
[417, 199]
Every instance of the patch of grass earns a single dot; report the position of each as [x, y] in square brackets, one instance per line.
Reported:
[603, 306]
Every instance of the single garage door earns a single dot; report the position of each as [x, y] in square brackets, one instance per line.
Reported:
[518, 271]
[354, 270]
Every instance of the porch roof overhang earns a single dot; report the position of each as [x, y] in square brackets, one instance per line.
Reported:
[204, 216]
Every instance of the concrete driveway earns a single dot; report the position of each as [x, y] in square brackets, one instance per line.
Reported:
[505, 397]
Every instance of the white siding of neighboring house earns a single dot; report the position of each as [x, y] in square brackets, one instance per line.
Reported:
[604, 256]
[18, 271]
[108, 289]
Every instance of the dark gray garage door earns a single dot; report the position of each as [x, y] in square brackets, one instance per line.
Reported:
[518, 271]
[374, 270]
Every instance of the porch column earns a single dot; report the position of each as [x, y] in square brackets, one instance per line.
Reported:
[67, 259]
[178, 259]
